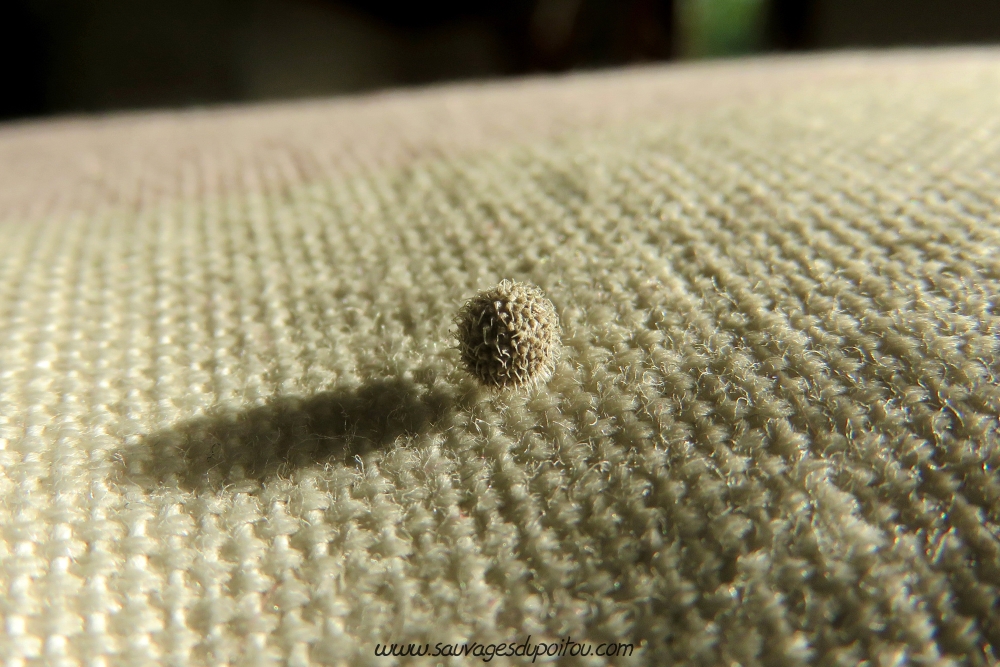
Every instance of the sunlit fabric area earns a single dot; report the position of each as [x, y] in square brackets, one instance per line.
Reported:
[235, 424]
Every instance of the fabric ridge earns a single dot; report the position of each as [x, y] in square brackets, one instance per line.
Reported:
[235, 429]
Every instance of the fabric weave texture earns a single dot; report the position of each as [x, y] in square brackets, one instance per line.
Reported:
[234, 429]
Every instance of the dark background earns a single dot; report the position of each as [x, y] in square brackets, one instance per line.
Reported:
[64, 56]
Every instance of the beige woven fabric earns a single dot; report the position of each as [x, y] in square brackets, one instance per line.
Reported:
[233, 429]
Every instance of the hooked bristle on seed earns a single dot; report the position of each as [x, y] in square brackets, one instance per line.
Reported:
[508, 336]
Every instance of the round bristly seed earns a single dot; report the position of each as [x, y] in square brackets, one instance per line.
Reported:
[508, 336]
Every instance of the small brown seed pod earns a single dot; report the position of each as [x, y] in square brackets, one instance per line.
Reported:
[508, 336]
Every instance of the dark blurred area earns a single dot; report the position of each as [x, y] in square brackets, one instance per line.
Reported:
[95, 55]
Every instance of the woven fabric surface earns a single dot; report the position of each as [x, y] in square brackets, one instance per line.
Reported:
[234, 428]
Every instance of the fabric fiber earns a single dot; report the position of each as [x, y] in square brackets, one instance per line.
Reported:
[235, 428]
